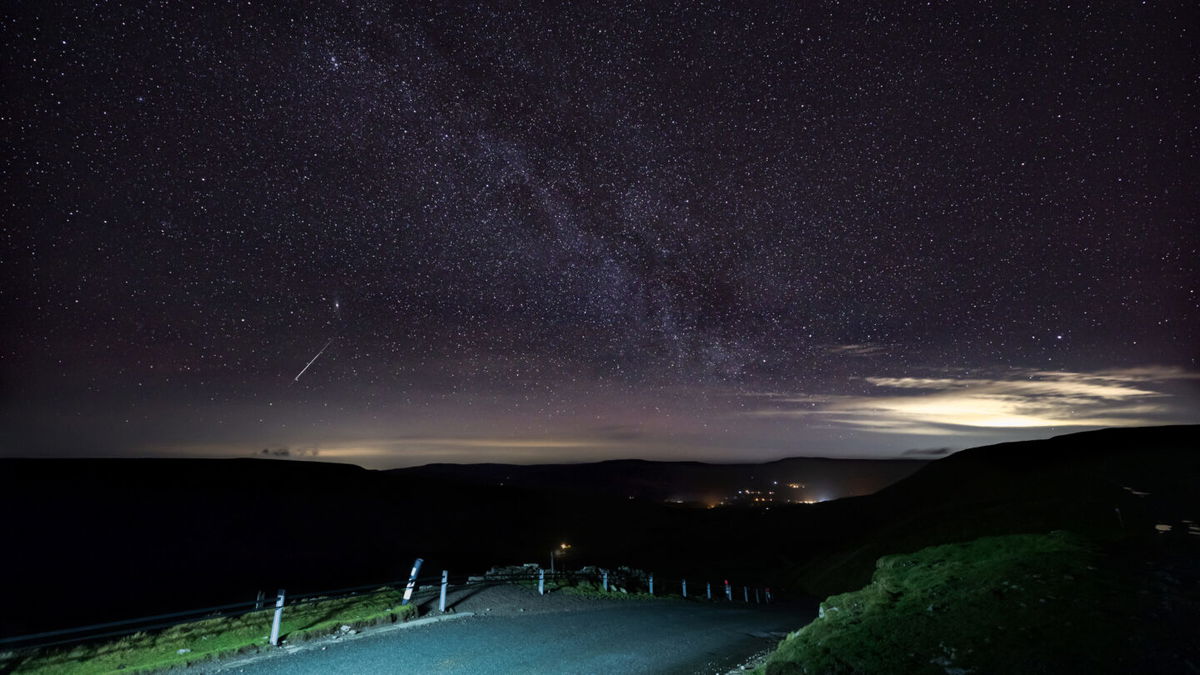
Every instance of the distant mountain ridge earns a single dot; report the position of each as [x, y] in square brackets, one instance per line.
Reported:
[816, 479]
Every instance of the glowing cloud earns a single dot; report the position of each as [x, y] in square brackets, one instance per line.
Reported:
[1028, 399]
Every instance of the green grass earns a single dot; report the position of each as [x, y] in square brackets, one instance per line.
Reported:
[1008, 604]
[213, 638]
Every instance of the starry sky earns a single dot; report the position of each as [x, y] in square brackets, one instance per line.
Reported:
[537, 232]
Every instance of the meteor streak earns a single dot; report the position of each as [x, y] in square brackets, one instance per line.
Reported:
[313, 359]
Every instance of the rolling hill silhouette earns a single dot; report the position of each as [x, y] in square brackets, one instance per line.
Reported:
[1110, 484]
[97, 540]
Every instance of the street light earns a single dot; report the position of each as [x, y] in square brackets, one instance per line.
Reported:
[554, 553]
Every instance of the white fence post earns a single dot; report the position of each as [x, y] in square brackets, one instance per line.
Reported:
[651, 584]
[605, 581]
[412, 581]
[445, 582]
[541, 582]
[684, 587]
[278, 619]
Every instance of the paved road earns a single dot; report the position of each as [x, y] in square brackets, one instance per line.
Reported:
[603, 637]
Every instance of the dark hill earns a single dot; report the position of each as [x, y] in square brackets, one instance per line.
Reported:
[123, 538]
[1110, 484]
[821, 479]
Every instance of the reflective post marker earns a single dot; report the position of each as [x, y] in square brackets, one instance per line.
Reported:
[756, 598]
[684, 588]
[445, 582]
[651, 584]
[708, 589]
[412, 581]
[605, 581]
[278, 619]
[541, 582]
[728, 591]
[746, 593]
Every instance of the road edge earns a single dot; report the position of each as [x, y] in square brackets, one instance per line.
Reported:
[226, 665]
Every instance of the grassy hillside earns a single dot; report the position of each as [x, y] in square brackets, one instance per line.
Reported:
[1108, 485]
[198, 642]
[952, 570]
[1053, 603]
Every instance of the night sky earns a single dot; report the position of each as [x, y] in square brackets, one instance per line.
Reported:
[531, 232]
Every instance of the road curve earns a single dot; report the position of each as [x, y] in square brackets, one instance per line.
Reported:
[602, 637]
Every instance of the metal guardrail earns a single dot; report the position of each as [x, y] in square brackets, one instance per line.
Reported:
[429, 584]
[158, 621]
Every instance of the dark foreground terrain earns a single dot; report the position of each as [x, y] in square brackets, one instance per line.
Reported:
[95, 540]
[105, 539]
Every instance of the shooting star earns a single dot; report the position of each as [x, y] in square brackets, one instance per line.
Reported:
[313, 359]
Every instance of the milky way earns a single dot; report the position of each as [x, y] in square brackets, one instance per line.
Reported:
[538, 232]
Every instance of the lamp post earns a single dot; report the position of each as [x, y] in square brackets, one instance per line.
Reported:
[556, 552]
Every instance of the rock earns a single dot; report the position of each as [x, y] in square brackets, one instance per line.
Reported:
[182, 651]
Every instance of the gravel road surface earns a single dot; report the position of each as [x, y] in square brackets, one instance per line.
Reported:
[512, 630]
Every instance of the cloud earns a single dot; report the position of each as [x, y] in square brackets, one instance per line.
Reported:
[1025, 399]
